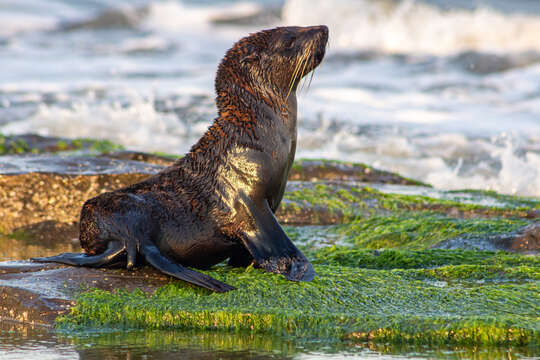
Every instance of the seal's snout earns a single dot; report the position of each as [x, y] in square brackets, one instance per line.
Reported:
[319, 34]
[322, 30]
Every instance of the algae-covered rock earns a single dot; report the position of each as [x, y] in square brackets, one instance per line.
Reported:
[347, 201]
[406, 230]
[37, 144]
[399, 296]
[476, 304]
[397, 261]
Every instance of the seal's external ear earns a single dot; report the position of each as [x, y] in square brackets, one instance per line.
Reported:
[249, 58]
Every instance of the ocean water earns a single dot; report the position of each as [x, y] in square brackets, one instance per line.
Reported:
[447, 92]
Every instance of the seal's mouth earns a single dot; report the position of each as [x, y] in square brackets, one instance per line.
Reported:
[316, 38]
[319, 54]
[322, 41]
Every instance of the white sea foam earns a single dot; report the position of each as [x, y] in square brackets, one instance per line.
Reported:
[175, 15]
[136, 44]
[519, 175]
[503, 168]
[414, 27]
[12, 23]
[136, 126]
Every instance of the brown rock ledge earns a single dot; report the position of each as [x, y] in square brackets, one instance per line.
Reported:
[36, 294]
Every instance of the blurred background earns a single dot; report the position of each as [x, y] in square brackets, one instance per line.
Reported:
[443, 91]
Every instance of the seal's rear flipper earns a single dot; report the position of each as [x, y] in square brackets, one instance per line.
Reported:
[272, 248]
[162, 263]
[114, 255]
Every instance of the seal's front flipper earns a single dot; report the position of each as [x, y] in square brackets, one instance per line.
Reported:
[271, 247]
[114, 255]
[162, 263]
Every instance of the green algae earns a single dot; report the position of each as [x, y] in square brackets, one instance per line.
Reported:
[8, 147]
[419, 230]
[11, 145]
[405, 294]
[512, 206]
[342, 302]
[97, 146]
[166, 155]
[354, 202]
[321, 195]
[477, 273]
[415, 259]
[63, 145]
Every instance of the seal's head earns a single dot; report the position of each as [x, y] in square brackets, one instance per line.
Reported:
[271, 62]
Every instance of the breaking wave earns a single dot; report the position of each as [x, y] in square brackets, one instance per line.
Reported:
[415, 27]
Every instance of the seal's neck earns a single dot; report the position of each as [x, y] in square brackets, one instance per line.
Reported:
[289, 116]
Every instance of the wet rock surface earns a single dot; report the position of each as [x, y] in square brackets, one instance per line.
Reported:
[36, 293]
[48, 189]
[310, 170]
[73, 165]
[526, 240]
[141, 156]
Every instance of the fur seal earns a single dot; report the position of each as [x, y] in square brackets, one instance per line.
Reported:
[218, 201]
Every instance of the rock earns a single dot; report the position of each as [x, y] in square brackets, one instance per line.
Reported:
[526, 240]
[38, 189]
[43, 191]
[36, 294]
[72, 165]
[140, 156]
[310, 170]
[41, 195]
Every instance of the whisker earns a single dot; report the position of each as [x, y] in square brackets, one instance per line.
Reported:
[311, 78]
[302, 72]
[295, 73]
[296, 68]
